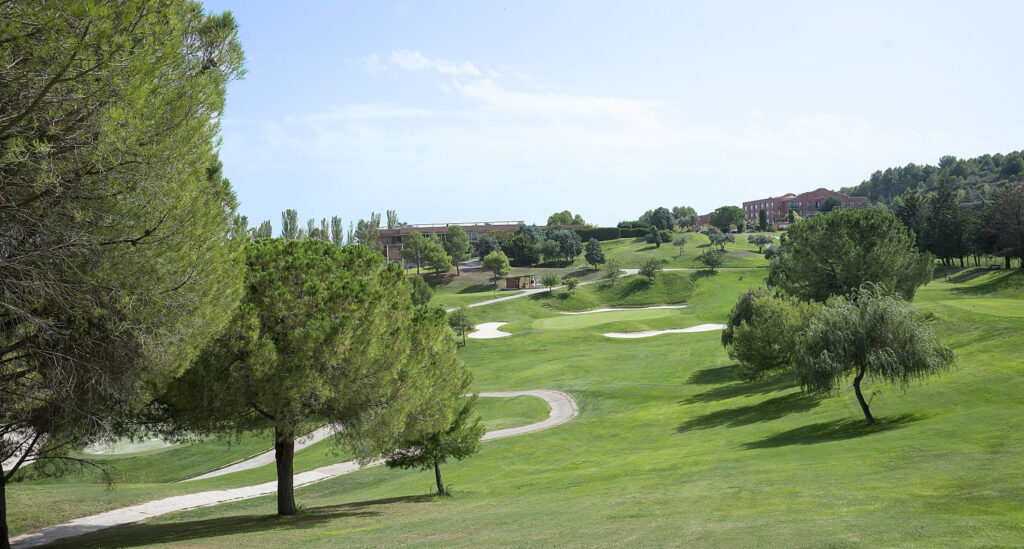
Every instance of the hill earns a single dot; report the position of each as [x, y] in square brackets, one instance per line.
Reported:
[971, 178]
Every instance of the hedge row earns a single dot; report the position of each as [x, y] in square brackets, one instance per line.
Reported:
[610, 233]
[632, 233]
[600, 233]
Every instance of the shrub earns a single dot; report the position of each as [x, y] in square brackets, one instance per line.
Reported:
[650, 268]
[766, 342]
[550, 280]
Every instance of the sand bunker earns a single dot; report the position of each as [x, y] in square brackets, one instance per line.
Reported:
[488, 330]
[623, 309]
[652, 333]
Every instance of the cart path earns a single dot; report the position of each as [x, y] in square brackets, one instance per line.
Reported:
[563, 409]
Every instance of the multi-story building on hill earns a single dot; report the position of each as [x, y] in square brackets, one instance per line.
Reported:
[805, 205]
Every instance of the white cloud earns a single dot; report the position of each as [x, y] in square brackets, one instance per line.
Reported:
[416, 61]
[553, 145]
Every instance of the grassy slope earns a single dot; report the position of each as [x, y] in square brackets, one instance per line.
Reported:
[475, 285]
[632, 252]
[671, 449]
[148, 475]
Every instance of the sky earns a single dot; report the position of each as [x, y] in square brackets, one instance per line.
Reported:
[487, 111]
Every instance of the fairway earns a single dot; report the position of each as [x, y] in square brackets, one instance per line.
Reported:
[672, 448]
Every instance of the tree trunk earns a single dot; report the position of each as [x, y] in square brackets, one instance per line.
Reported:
[860, 396]
[5, 542]
[961, 262]
[463, 337]
[437, 476]
[284, 456]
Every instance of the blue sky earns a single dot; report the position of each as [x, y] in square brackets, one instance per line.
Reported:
[476, 111]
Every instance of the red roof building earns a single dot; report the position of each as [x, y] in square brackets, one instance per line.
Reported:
[805, 205]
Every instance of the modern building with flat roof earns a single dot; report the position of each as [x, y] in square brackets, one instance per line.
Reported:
[805, 205]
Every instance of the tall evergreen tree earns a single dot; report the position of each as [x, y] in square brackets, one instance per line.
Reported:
[337, 233]
[414, 248]
[322, 332]
[290, 225]
[456, 243]
[368, 232]
[119, 245]
[458, 440]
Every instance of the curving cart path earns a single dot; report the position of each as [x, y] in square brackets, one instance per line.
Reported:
[563, 409]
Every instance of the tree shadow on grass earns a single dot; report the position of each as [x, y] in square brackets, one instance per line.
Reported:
[768, 410]
[140, 534]
[630, 286]
[476, 288]
[703, 273]
[739, 388]
[831, 431]
[716, 375]
[1012, 281]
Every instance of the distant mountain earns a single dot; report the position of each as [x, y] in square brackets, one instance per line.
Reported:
[972, 179]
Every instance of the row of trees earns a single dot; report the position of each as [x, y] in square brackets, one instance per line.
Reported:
[529, 244]
[565, 217]
[662, 218]
[973, 179]
[837, 306]
[366, 232]
[949, 229]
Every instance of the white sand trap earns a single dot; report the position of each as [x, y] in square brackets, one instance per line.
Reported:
[623, 309]
[125, 446]
[652, 333]
[488, 330]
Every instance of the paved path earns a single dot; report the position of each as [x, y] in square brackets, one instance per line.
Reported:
[563, 408]
[266, 458]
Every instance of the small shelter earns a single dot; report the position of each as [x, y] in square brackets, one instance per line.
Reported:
[521, 282]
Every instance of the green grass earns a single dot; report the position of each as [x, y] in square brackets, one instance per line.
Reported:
[632, 252]
[144, 476]
[671, 448]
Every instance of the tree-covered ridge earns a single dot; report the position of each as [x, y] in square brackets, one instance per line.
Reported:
[971, 178]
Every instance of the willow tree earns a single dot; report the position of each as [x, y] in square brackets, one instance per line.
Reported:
[118, 248]
[872, 335]
[322, 332]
